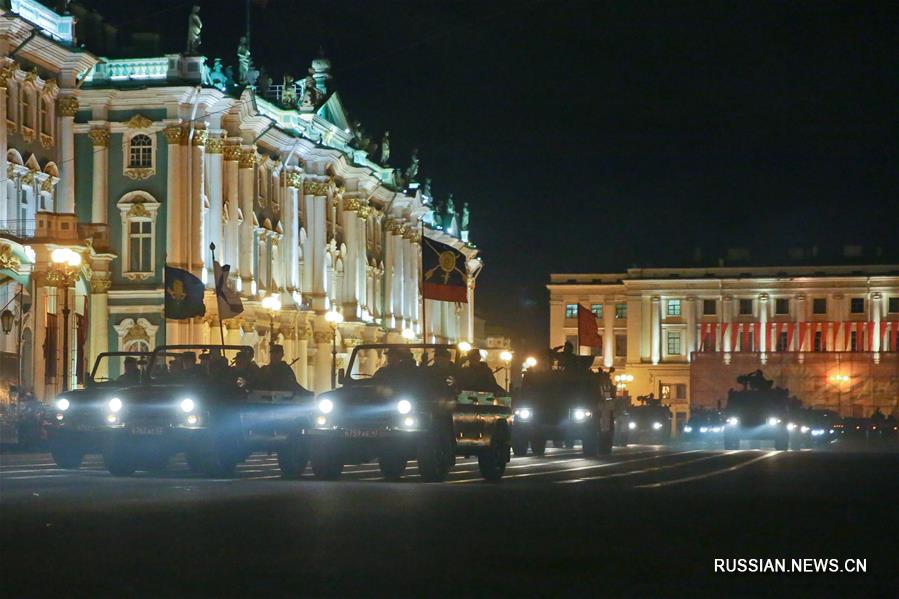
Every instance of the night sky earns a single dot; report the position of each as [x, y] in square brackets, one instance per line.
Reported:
[593, 136]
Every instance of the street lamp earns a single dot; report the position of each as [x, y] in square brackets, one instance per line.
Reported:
[839, 380]
[621, 381]
[506, 357]
[66, 266]
[408, 335]
[530, 362]
[272, 303]
[334, 318]
[464, 347]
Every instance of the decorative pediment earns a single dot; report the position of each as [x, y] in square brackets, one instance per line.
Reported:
[138, 121]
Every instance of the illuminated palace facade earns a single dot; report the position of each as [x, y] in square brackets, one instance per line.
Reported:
[139, 163]
[829, 333]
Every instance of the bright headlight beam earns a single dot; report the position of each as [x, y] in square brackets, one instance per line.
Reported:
[524, 414]
[579, 414]
[325, 406]
[656, 426]
[62, 404]
[187, 405]
[632, 426]
[404, 406]
[114, 405]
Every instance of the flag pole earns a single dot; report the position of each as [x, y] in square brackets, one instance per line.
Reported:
[217, 309]
[421, 283]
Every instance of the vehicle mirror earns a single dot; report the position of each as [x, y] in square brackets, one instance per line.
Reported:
[341, 376]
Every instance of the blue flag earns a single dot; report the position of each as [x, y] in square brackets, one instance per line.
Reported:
[183, 294]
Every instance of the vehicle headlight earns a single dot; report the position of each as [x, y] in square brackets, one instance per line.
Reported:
[114, 404]
[632, 426]
[703, 429]
[790, 426]
[62, 404]
[325, 406]
[524, 413]
[192, 419]
[187, 405]
[409, 422]
[773, 421]
[689, 429]
[321, 421]
[803, 429]
[111, 418]
[733, 421]
[580, 414]
[716, 429]
[403, 406]
[656, 426]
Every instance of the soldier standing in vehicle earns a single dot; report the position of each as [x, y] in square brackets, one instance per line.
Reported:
[131, 375]
[443, 366]
[245, 368]
[399, 361]
[478, 376]
[277, 375]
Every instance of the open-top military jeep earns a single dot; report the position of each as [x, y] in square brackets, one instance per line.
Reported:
[76, 422]
[204, 412]
[411, 408]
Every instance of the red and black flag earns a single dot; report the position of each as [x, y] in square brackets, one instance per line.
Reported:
[588, 328]
[444, 277]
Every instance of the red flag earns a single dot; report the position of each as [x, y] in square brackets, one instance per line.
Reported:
[893, 334]
[734, 331]
[588, 328]
[847, 336]
[869, 340]
[884, 326]
[754, 339]
[803, 329]
[834, 328]
[791, 331]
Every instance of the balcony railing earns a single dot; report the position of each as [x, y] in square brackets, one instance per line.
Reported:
[22, 229]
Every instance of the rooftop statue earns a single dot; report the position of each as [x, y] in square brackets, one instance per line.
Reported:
[244, 61]
[310, 94]
[450, 208]
[217, 76]
[194, 27]
[412, 171]
[385, 147]
[289, 92]
[465, 216]
[426, 188]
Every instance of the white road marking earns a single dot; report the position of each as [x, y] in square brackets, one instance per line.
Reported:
[686, 479]
[644, 470]
[454, 471]
[576, 469]
[60, 475]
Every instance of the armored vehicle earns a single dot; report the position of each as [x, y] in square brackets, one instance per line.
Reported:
[758, 411]
[812, 427]
[420, 405]
[704, 426]
[649, 422]
[564, 405]
[201, 409]
[76, 422]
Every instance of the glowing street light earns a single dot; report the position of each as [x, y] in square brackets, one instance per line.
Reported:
[408, 335]
[464, 347]
[506, 357]
[272, 303]
[530, 362]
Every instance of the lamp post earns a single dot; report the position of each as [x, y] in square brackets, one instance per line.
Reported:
[273, 304]
[839, 380]
[66, 266]
[334, 318]
[621, 381]
[506, 357]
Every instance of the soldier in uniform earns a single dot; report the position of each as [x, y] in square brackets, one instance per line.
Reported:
[478, 376]
[399, 361]
[443, 366]
[131, 376]
[277, 375]
[245, 368]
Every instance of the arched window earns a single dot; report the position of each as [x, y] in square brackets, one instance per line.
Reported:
[140, 245]
[140, 153]
[28, 107]
[138, 211]
[47, 116]
[137, 345]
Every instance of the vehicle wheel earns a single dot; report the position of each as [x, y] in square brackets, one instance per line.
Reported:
[590, 444]
[326, 465]
[538, 446]
[605, 442]
[392, 466]
[221, 457]
[436, 455]
[194, 461]
[119, 458]
[569, 444]
[731, 443]
[67, 457]
[157, 464]
[492, 463]
[520, 447]
[293, 457]
[782, 443]
[558, 443]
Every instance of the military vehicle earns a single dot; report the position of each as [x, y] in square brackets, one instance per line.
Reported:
[428, 410]
[758, 411]
[204, 413]
[704, 426]
[565, 405]
[76, 422]
[649, 422]
[812, 427]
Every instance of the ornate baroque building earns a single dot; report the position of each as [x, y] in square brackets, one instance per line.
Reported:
[139, 163]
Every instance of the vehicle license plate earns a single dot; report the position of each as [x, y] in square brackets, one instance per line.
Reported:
[356, 433]
[85, 428]
[145, 429]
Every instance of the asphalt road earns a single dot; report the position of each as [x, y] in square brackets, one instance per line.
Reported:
[647, 521]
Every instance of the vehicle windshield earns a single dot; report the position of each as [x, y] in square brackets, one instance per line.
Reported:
[194, 363]
[117, 368]
[372, 361]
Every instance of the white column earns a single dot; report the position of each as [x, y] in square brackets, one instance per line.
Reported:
[608, 333]
[322, 374]
[66, 107]
[351, 265]
[876, 314]
[763, 326]
[4, 147]
[99, 197]
[246, 176]
[291, 213]
[410, 285]
[199, 251]
[690, 308]
[214, 180]
[656, 329]
[801, 316]
[174, 228]
[396, 240]
[231, 233]
[387, 277]
[99, 325]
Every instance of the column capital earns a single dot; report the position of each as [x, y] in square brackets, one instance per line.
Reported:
[231, 152]
[763, 297]
[690, 298]
[656, 299]
[65, 105]
[99, 137]
[200, 137]
[247, 158]
[876, 295]
[800, 297]
[7, 71]
[173, 134]
[316, 188]
[294, 179]
[214, 145]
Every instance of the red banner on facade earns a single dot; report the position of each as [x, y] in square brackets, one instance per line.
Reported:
[791, 332]
[884, 327]
[588, 328]
[803, 331]
[834, 327]
[734, 331]
[847, 336]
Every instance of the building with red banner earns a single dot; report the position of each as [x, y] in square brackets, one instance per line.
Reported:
[828, 333]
